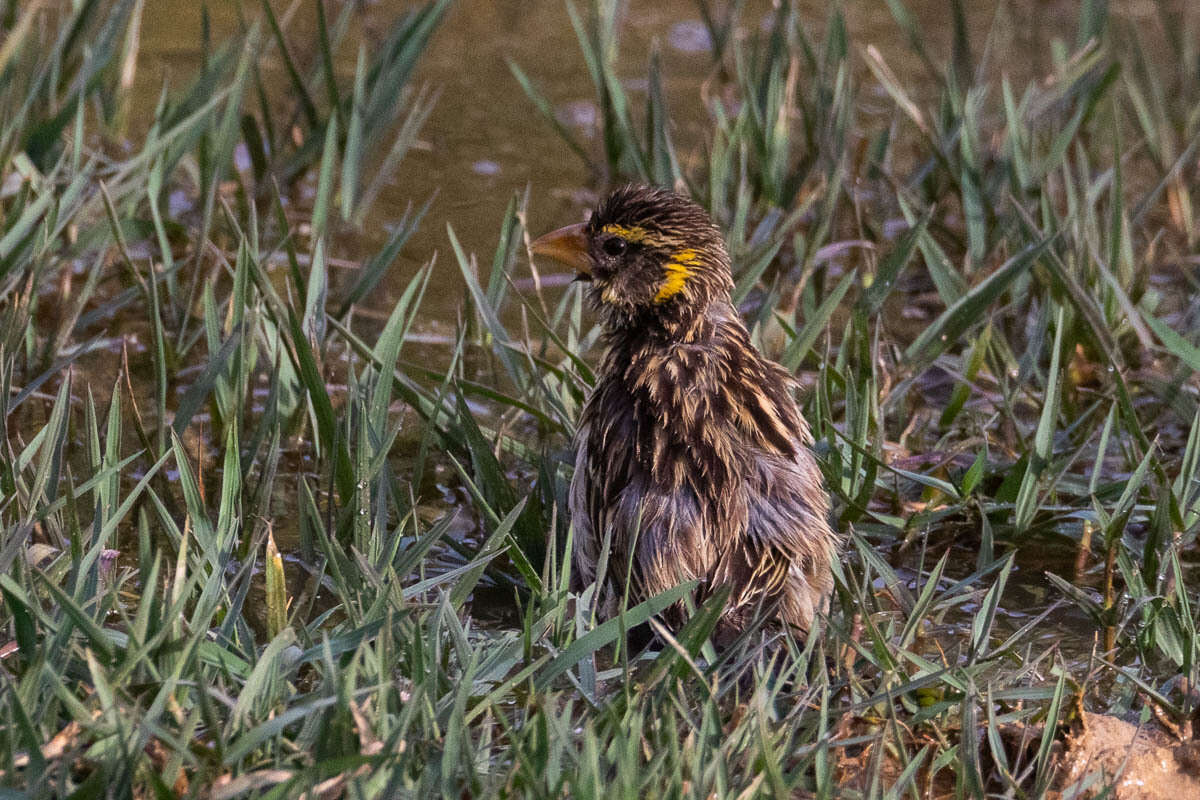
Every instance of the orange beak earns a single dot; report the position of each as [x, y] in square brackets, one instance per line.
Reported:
[568, 245]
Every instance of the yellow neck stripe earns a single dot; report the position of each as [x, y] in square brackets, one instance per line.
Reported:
[678, 270]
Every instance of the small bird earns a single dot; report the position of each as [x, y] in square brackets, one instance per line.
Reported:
[692, 457]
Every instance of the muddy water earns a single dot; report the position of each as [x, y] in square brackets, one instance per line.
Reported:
[484, 141]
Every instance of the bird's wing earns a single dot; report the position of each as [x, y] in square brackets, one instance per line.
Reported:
[788, 538]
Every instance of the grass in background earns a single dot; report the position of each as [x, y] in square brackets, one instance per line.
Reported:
[987, 292]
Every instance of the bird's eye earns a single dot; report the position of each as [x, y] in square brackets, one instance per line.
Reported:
[614, 246]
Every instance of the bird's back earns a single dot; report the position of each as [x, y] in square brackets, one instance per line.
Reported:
[693, 461]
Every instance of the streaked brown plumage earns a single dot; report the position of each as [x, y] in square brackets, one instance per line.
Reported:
[691, 452]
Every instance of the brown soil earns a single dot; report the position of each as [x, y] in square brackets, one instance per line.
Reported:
[1104, 756]
[1140, 763]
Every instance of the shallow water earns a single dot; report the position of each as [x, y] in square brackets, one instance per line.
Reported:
[484, 141]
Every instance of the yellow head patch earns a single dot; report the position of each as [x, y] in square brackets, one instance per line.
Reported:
[678, 270]
[628, 233]
[636, 234]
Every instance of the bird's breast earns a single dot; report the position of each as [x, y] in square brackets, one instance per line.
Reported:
[671, 431]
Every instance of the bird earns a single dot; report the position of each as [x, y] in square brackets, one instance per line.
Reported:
[693, 461]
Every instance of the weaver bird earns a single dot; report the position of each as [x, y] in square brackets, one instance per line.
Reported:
[692, 457]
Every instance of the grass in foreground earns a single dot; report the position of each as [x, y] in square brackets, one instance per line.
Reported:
[1042, 397]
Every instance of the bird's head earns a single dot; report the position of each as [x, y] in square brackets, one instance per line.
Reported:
[652, 257]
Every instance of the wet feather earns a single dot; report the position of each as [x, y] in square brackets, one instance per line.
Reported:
[692, 457]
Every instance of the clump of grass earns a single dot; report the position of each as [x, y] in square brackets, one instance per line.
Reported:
[1046, 387]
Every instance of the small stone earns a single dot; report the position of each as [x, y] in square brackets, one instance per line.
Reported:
[689, 36]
